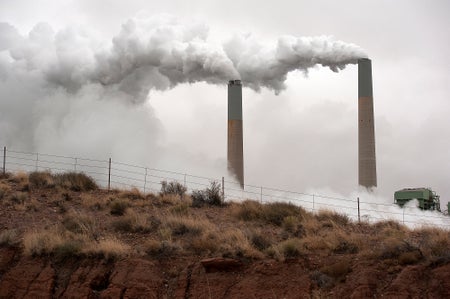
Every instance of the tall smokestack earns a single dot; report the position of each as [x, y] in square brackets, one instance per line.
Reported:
[235, 136]
[367, 171]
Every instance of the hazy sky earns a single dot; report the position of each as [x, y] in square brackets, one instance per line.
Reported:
[304, 138]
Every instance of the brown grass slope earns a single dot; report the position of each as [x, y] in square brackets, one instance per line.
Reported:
[62, 236]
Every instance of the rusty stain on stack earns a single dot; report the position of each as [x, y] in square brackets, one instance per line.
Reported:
[367, 171]
[235, 135]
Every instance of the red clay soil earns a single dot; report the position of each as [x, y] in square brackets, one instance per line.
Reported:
[26, 277]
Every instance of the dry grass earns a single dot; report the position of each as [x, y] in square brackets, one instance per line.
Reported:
[182, 225]
[92, 201]
[109, 248]
[42, 242]
[41, 179]
[9, 237]
[79, 223]
[118, 207]
[132, 222]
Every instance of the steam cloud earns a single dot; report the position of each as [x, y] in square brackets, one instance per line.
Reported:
[160, 53]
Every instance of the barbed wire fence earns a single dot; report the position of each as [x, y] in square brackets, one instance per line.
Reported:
[113, 174]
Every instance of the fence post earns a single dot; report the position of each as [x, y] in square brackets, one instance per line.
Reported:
[403, 215]
[223, 188]
[145, 179]
[359, 214]
[37, 161]
[184, 180]
[109, 175]
[75, 164]
[4, 160]
[261, 194]
[313, 202]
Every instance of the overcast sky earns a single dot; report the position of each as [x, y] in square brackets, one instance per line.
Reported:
[303, 139]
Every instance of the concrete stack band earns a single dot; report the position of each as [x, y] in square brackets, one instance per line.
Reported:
[235, 136]
[367, 170]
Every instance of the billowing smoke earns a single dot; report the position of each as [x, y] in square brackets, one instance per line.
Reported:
[160, 53]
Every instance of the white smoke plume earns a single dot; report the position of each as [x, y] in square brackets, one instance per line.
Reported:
[160, 53]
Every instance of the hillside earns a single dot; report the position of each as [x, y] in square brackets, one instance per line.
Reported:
[63, 237]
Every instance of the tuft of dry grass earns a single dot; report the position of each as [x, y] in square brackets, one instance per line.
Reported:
[119, 206]
[332, 218]
[161, 248]
[92, 202]
[133, 194]
[185, 225]
[9, 237]
[4, 190]
[41, 179]
[41, 243]
[79, 223]
[109, 248]
[75, 181]
[21, 179]
[132, 222]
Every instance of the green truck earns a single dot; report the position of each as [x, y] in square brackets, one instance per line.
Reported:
[428, 199]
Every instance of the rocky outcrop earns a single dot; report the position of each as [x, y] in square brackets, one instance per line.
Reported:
[26, 277]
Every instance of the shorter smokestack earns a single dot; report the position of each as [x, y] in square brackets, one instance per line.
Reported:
[235, 135]
[366, 126]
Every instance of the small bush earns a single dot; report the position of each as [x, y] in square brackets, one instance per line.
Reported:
[334, 217]
[338, 270]
[180, 225]
[259, 240]
[322, 280]
[210, 196]
[133, 194]
[80, 224]
[118, 207]
[161, 248]
[19, 197]
[9, 237]
[110, 249]
[75, 181]
[248, 210]
[290, 248]
[132, 222]
[40, 179]
[276, 212]
[41, 243]
[174, 188]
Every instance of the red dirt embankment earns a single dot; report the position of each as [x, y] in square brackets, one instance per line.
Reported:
[26, 277]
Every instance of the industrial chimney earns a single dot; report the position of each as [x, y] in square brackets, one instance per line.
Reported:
[235, 136]
[367, 171]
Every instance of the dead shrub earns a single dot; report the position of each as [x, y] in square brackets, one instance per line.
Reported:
[209, 196]
[233, 243]
[276, 212]
[291, 248]
[180, 225]
[119, 206]
[333, 217]
[322, 280]
[4, 190]
[75, 181]
[41, 179]
[109, 248]
[132, 222]
[41, 243]
[248, 210]
[181, 209]
[133, 194]
[204, 244]
[172, 188]
[338, 270]
[21, 179]
[433, 242]
[259, 240]
[161, 248]
[9, 237]
[18, 197]
[93, 202]
[80, 224]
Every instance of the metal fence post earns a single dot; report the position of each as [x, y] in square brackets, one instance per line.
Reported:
[75, 164]
[4, 160]
[184, 180]
[145, 179]
[223, 188]
[359, 214]
[109, 175]
[313, 202]
[37, 161]
[261, 195]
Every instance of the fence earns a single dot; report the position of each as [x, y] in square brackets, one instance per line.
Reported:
[113, 174]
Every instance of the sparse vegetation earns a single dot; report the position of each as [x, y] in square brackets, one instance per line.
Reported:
[209, 196]
[172, 188]
[65, 223]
